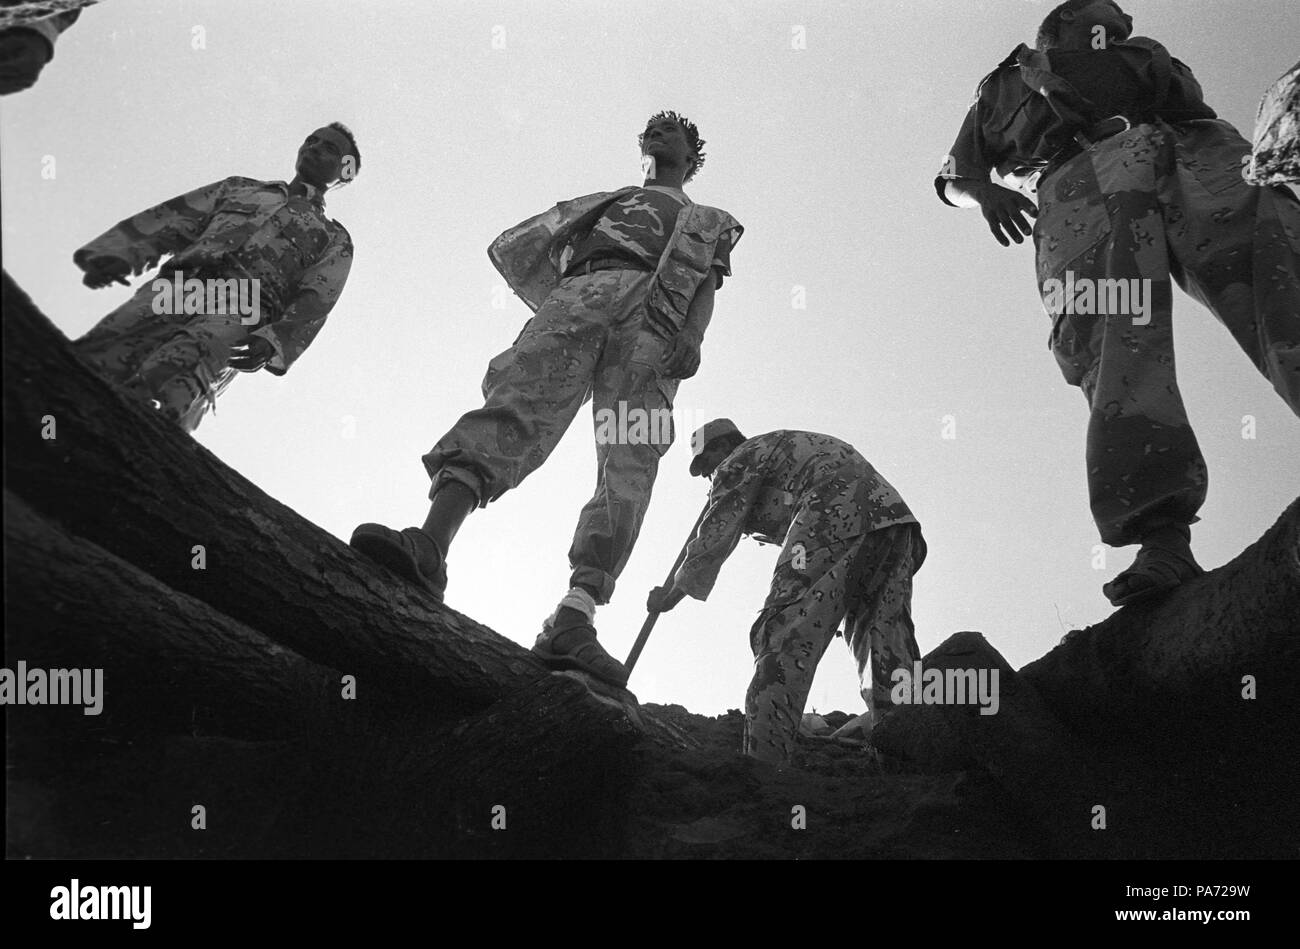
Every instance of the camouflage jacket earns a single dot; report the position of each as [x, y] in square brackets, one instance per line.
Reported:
[1277, 134]
[532, 255]
[241, 227]
[1023, 114]
[771, 480]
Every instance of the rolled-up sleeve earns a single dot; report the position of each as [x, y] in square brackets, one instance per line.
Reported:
[721, 265]
[969, 156]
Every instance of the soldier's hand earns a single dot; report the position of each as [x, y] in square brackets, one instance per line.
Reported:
[662, 599]
[1005, 211]
[101, 271]
[251, 353]
[682, 360]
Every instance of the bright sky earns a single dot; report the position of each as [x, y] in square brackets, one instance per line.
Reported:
[472, 116]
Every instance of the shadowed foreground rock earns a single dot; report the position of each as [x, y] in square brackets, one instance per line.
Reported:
[1178, 717]
[1021, 744]
[375, 707]
[1185, 657]
[314, 706]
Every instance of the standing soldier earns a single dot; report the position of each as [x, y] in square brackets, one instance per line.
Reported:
[850, 548]
[622, 286]
[1138, 181]
[269, 239]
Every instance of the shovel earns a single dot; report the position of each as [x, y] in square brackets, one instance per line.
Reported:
[649, 623]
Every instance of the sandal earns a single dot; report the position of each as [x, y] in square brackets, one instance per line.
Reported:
[589, 656]
[1161, 567]
[403, 553]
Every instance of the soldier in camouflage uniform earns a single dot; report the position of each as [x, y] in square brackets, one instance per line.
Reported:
[273, 235]
[1138, 181]
[849, 549]
[622, 286]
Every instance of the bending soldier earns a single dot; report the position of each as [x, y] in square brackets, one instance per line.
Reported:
[622, 285]
[1138, 182]
[849, 549]
[267, 265]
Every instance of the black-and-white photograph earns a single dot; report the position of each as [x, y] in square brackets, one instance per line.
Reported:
[651, 430]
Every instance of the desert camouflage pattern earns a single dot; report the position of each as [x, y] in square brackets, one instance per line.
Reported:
[533, 255]
[1156, 201]
[590, 339]
[234, 228]
[868, 584]
[177, 367]
[849, 548]
[1277, 133]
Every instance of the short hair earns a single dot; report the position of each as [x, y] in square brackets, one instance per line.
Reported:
[352, 140]
[1049, 32]
[692, 136]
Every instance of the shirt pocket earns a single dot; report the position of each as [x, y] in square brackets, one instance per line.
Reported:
[694, 248]
[236, 210]
[232, 224]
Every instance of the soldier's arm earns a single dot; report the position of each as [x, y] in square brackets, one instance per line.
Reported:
[967, 163]
[681, 359]
[1004, 209]
[963, 192]
[141, 240]
[734, 491]
[318, 290]
[964, 180]
[701, 309]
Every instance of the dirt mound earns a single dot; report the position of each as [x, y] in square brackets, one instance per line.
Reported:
[835, 801]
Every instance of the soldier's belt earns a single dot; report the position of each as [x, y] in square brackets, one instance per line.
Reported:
[1086, 138]
[605, 263]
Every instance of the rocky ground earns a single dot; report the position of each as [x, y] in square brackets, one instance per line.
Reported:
[712, 802]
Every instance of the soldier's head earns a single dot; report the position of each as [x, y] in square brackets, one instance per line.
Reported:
[24, 51]
[673, 141]
[329, 155]
[1073, 25]
[711, 443]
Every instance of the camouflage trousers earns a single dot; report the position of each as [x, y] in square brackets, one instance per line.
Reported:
[821, 579]
[1137, 209]
[589, 340]
[176, 363]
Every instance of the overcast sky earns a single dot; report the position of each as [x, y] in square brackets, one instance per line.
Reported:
[472, 116]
